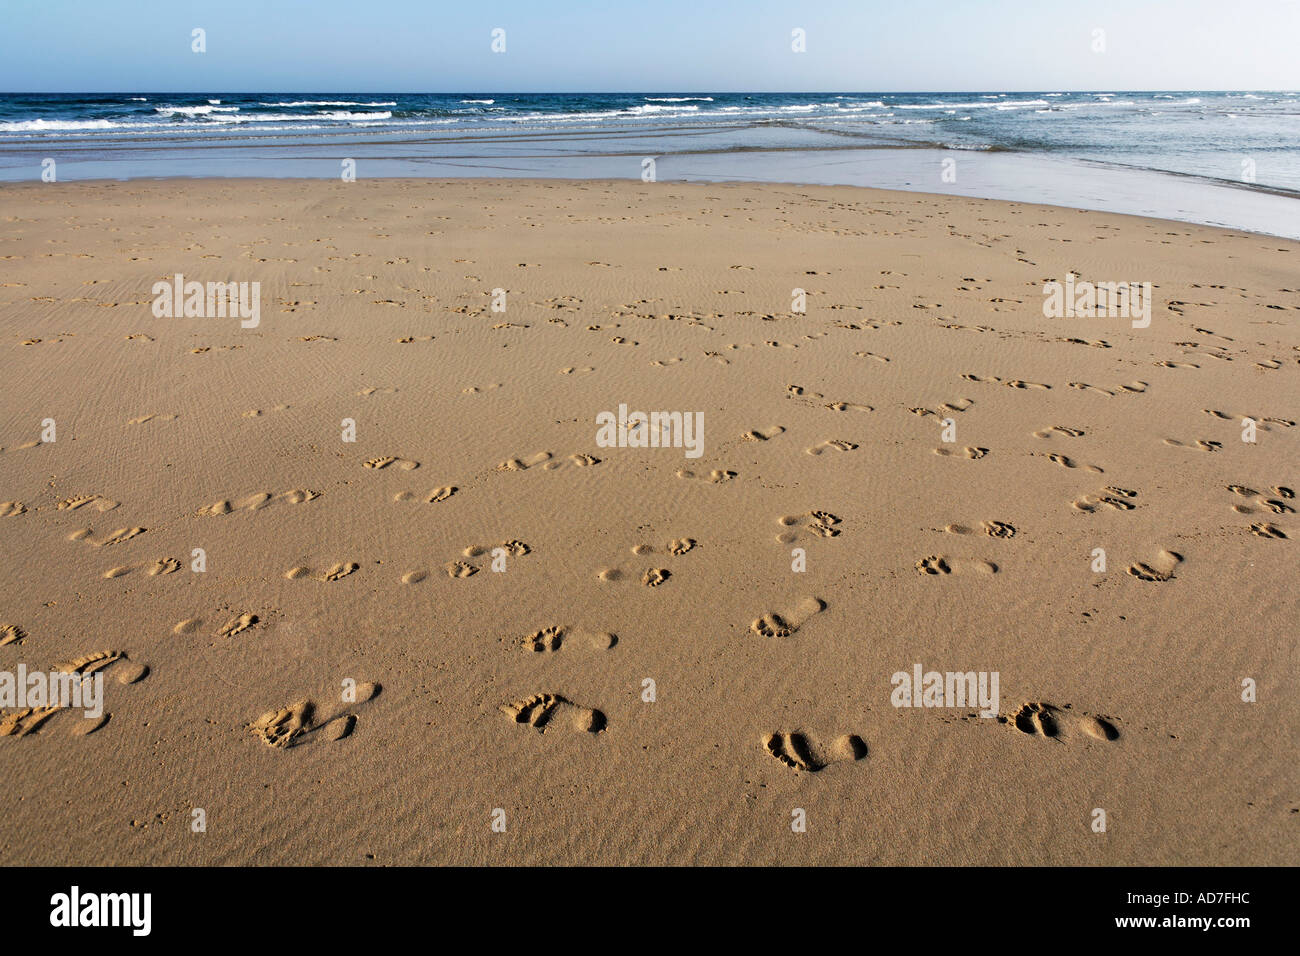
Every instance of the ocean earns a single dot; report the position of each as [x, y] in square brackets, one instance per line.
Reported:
[1220, 158]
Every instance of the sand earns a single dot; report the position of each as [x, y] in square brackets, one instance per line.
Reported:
[349, 680]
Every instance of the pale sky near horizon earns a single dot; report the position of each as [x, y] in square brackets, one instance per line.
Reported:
[664, 45]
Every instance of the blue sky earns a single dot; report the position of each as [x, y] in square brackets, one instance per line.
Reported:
[653, 45]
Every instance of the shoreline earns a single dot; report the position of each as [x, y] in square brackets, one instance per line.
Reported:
[633, 182]
[1007, 176]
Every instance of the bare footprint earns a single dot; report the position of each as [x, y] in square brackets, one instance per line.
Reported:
[429, 497]
[81, 501]
[334, 573]
[1058, 430]
[237, 625]
[126, 671]
[967, 452]
[820, 523]
[831, 444]
[160, 566]
[939, 564]
[1039, 719]
[715, 477]
[552, 638]
[383, 462]
[1162, 569]
[804, 754]
[300, 723]
[773, 624]
[1199, 445]
[1067, 462]
[520, 464]
[1110, 497]
[115, 537]
[540, 710]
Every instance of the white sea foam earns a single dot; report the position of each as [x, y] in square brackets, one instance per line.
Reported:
[341, 103]
[43, 125]
[194, 110]
[971, 106]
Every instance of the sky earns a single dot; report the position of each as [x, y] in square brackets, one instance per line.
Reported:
[647, 45]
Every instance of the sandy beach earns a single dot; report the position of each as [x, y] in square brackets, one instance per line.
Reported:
[474, 634]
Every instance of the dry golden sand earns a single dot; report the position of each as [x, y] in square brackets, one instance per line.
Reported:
[376, 307]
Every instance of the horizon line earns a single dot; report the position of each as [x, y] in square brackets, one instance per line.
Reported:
[376, 92]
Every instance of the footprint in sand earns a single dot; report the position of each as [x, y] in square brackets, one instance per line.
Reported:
[819, 523]
[512, 547]
[12, 634]
[651, 577]
[678, 546]
[128, 671]
[429, 497]
[1054, 430]
[1110, 497]
[994, 529]
[81, 501]
[12, 509]
[236, 625]
[552, 638]
[1162, 569]
[300, 723]
[1039, 719]
[967, 452]
[521, 464]
[805, 754]
[1067, 462]
[715, 477]
[540, 710]
[1275, 504]
[341, 570]
[1266, 530]
[773, 624]
[1262, 422]
[1199, 445]
[258, 501]
[115, 537]
[544, 459]
[27, 720]
[761, 434]
[153, 568]
[939, 564]
[1130, 388]
[944, 408]
[383, 462]
[831, 444]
